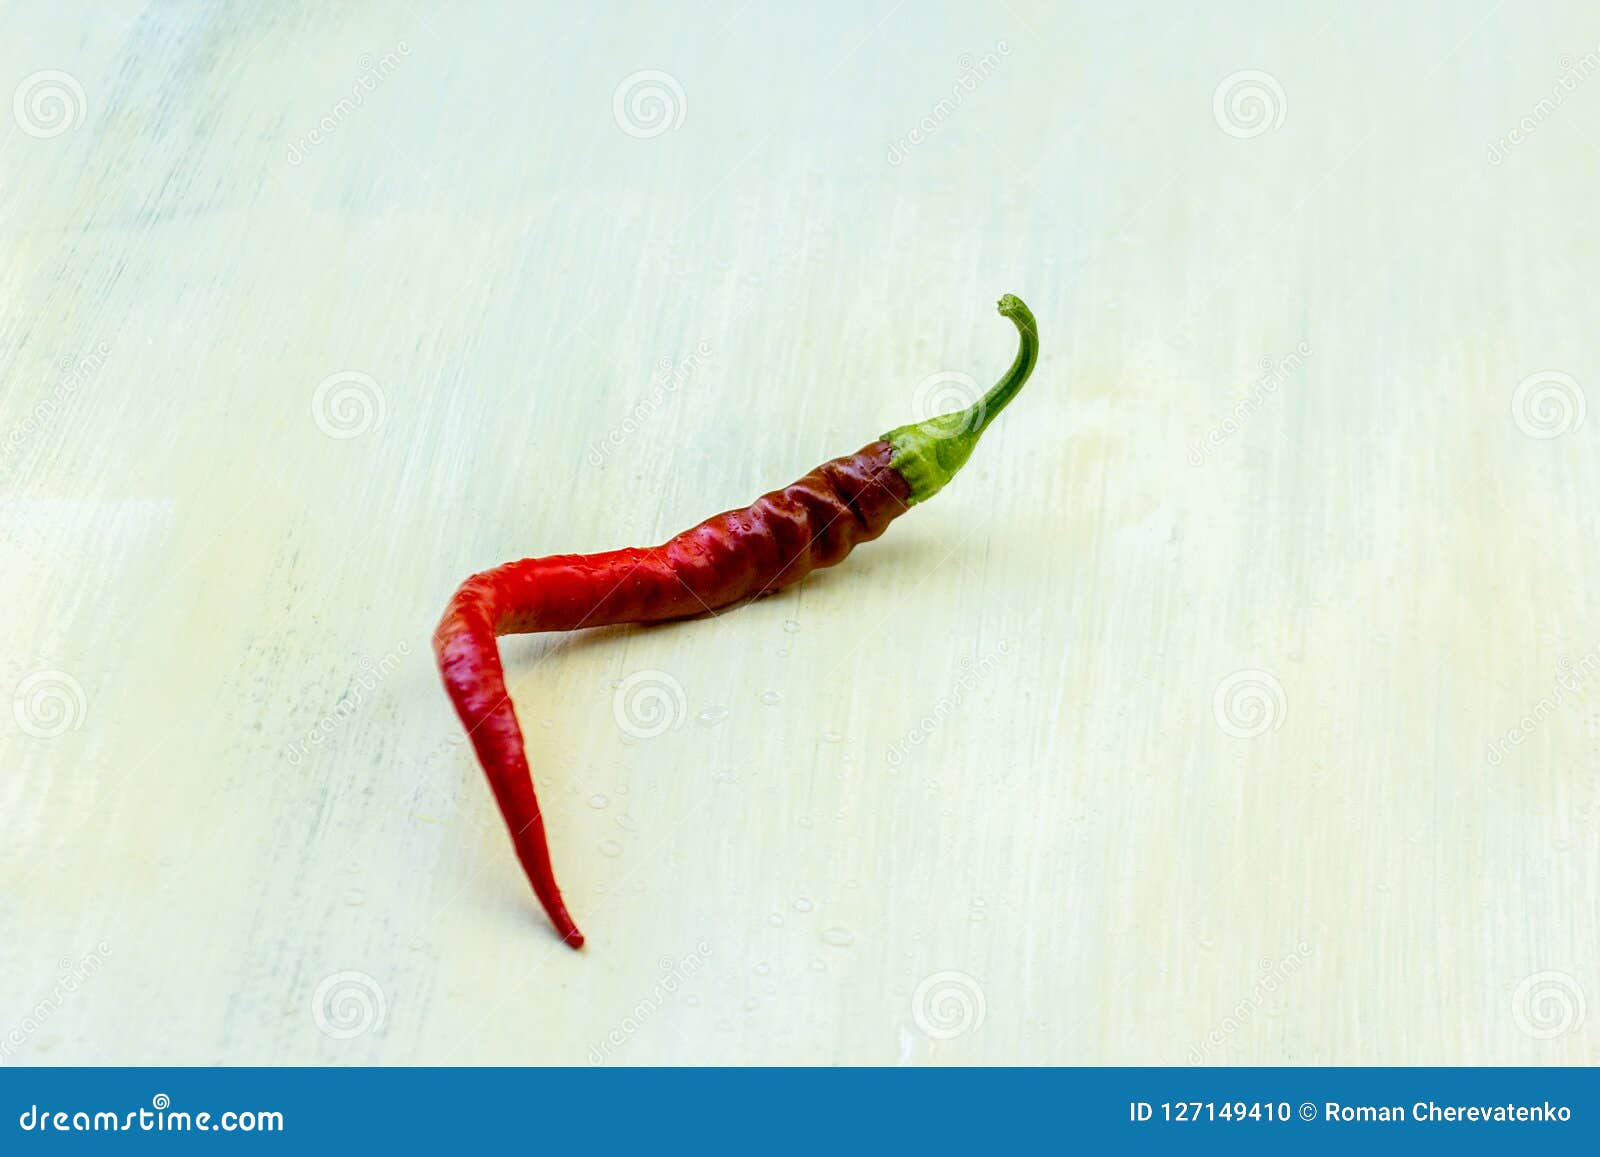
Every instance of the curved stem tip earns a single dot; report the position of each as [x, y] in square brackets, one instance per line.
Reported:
[929, 453]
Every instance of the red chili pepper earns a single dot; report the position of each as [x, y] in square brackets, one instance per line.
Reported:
[733, 557]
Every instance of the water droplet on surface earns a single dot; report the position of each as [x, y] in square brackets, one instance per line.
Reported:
[770, 697]
[791, 626]
[802, 904]
[627, 823]
[839, 937]
[598, 801]
[832, 737]
[818, 966]
[711, 716]
[763, 968]
[610, 848]
[775, 920]
[784, 653]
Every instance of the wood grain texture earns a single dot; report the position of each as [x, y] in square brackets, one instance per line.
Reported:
[991, 792]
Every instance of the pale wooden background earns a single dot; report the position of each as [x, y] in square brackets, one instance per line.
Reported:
[199, 574]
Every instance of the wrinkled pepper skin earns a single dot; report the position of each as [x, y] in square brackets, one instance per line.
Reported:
[727, 559]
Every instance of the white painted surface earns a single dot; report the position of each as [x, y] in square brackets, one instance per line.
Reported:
[1083, 835]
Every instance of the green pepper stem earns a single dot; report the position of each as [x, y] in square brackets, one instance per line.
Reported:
[1006, 388]
[929, 453]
